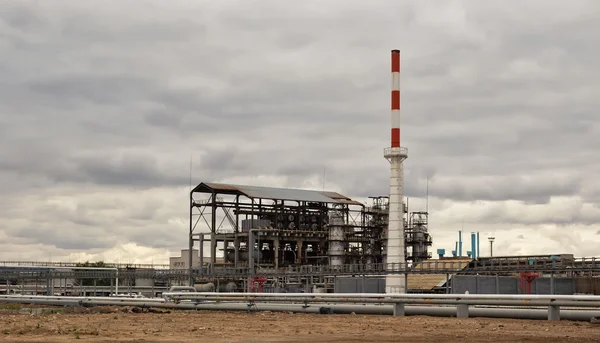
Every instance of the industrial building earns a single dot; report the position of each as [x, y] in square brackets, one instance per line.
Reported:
[290, 240]
[292, 227]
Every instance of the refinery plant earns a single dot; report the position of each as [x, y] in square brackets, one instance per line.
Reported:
[265, 239]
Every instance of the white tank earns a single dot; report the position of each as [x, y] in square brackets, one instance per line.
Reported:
[205, 287]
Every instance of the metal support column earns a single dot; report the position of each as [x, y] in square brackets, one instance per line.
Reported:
[191, 240]
[398, 310]
[299, 257]
[447, 284]
[553, 312]
[201, 252]
[236, 253]
[276, 252]
[497, 284]
[462, 311]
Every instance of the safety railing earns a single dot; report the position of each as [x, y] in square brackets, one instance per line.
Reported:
[391, 152]
[433, 267]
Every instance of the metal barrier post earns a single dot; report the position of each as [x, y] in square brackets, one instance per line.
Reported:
[462, 311]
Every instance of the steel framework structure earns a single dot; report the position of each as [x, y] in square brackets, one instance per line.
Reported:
[282, 227]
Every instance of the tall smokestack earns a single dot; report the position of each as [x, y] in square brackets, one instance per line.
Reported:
[395, 155]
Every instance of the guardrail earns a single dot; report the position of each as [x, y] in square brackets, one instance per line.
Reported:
[461, 301]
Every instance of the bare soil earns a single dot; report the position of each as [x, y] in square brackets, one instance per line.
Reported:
[117, 324]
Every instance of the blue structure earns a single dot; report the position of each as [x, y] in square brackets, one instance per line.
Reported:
[459, 243]
[458, 252]
[473, 245]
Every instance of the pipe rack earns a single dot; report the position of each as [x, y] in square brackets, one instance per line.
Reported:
[461, 301]
[360, 307]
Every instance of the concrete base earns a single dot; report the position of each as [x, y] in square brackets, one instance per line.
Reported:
[398, 310]
[462, 311]
[553, 312]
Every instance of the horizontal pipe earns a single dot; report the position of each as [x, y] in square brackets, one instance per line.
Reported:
[540, 314]
[491, 302]
[75, 299]
[534, 303]
[390, 296]
[353, 296]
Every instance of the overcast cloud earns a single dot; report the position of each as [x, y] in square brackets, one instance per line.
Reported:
[102, 104]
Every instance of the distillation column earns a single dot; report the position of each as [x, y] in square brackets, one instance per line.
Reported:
[396, 283]
[336, 239]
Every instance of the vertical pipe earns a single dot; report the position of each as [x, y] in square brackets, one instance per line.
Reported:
[213, 237]
[200, 252]
[191, 239]
[478, 244]
[460, 243]
[473, 246]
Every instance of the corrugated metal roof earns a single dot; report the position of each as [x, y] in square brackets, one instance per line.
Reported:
[425, 282]
[221, 186]
[280, 193]
[430, 281]
[459, 264]
[349, 202]
[334, 195]
[285, 194]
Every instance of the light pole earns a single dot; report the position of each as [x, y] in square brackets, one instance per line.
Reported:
[491, 239]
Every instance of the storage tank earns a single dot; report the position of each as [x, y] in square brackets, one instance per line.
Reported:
[243, 255]
[205, 287]
[229, 287]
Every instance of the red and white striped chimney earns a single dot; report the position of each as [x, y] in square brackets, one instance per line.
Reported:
[395, 99]
[395, 246]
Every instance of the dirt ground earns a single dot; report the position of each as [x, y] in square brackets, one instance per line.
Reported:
[18, 324]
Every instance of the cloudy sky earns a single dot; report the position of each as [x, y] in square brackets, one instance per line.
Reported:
[103, 103]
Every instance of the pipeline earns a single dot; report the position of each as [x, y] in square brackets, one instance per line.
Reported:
[399, 297]
[410, 310]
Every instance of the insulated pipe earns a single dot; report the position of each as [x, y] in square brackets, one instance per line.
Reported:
[183, 288]
[438, 311]
[455, 302]
[325, 296]
[291, 296]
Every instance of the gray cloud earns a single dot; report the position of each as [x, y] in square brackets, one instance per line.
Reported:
[498, 107]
